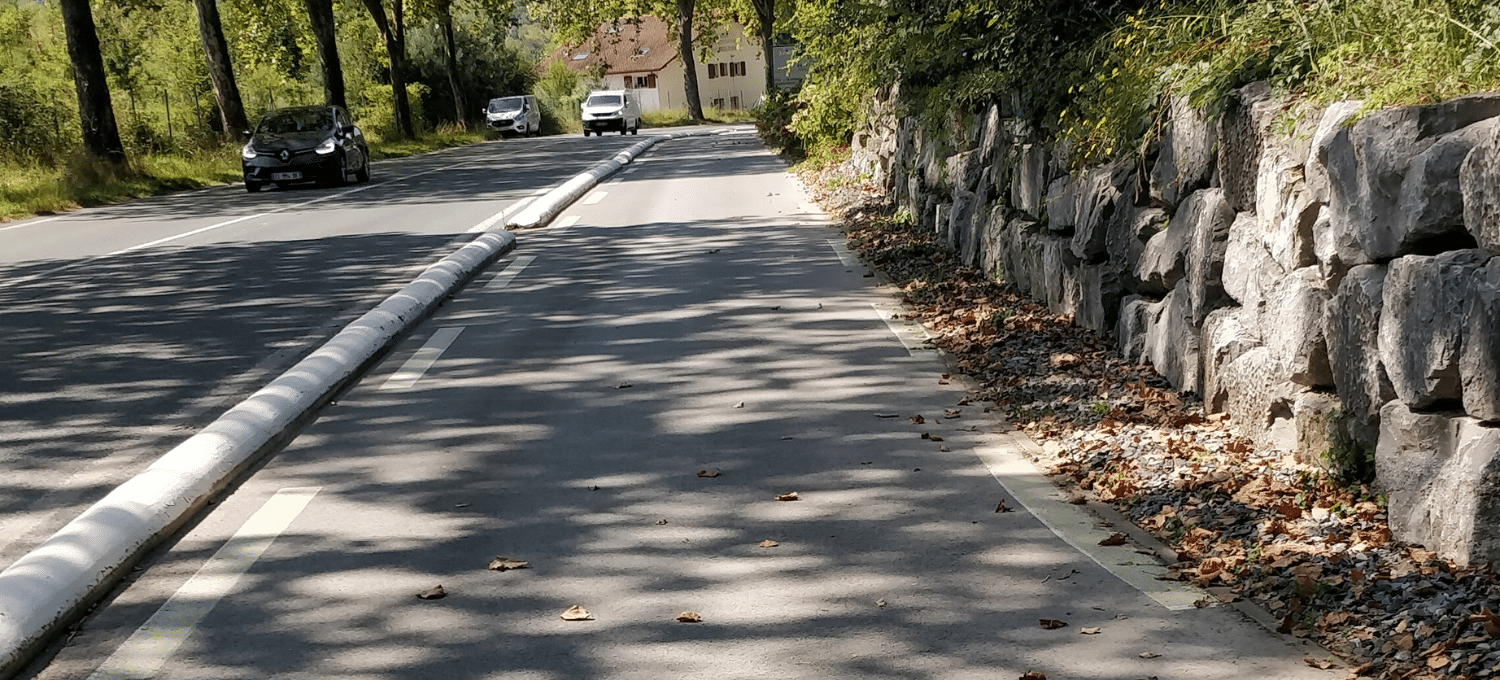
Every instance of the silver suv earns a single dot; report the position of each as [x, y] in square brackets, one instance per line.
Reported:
[607, 110]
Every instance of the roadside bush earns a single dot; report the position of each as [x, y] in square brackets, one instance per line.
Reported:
[773, 121]
[560, 92]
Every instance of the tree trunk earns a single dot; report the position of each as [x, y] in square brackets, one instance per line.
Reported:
[220, 71]
[320, 16]
[450, 48]
[393, 32]
[101, 135]
[689, 63]
[765, 11]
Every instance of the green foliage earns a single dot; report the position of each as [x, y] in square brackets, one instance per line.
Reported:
[1349, 461]
[487, 68]
[773, 121]
[560, 91]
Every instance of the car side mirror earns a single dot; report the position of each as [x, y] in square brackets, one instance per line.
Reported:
[246, 133]
[348, 129]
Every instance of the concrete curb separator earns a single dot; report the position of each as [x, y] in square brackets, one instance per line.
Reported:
[56, 583]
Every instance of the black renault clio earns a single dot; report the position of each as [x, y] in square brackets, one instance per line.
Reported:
[305, 144]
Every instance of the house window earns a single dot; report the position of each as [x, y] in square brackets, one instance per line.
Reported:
[718, 103]
[734, 102]
[640, 81]
[713, 71]
[742, 68]
[651, 81]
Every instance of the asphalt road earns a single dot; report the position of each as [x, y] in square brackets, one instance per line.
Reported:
[690, 317]
[127, 328]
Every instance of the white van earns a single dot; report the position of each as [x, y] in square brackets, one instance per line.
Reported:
[517, 115]
[606, 110]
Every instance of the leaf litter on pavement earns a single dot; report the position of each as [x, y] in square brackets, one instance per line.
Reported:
[1315, 553]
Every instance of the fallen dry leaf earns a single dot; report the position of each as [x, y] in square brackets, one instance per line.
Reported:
[768, 543]
[1032, 675]
[689, 617]
[1116, 538]
[943, 448]
[1001, 507]
[708, 473]
[1093, 630]
[740, 405]
[1149, 655]
[1052, 624]
[917, 420]
[576, 613]
[789, 497]
[622, 386]
[661, 522]
[508, 563]
[888, 415]
[460, 505]
[880, 603]
[434, 593]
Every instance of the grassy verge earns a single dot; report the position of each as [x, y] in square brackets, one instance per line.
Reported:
[28, 189]
[679, 117]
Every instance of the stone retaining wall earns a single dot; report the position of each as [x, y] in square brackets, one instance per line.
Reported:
[1331, 286]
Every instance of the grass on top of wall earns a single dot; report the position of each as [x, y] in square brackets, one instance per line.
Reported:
[679, 117]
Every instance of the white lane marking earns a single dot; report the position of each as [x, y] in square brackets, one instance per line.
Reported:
[500, 216]
[415, 367]
[510, 273]
[912, 335]
[28, 224]
[1075, 526]
[849, 259]
[614, 181]
[566, 222]
[630, 170]
[148, 648]
[595, 197]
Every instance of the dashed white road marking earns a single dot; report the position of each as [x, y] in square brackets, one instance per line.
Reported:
[614, 181]
[912, 335]
[595, 197]
[847, 258]
[148, 648]
[510, 273]
[629, 170]
[30, 223]
[563, 225]
[415, 367]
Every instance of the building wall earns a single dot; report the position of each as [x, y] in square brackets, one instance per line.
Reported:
[742, 90]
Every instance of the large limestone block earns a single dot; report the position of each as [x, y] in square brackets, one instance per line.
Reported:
[1249, 270]
[1100, 195]
[1292, 327]
[1337, 250]
[1185, 162]
[1136, 316]
[1172, 342]
[1479, 360]
[1314, 417]
[1163, 262]
[1062, 204]
[1060, 274]
[1442, 478]
[1422, 323]
[1259, 400]
[1022, 254]
[1099, 298]
[1284, 206]
[992, 249]
[1479, 180]
[1128, 232]
[1335, 118]
[1393, 176]
[1028, 189]
[1352, 330]
[1242, 131]
[1226, 337]
[1208, 215]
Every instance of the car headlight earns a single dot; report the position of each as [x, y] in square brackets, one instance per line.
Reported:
[326, 147]
[247, 153]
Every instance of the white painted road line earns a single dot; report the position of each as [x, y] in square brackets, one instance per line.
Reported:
[912, 335]
[146, 650]
[415, 367]
[849, 259]
[510, 273]
[630, 170]
[595, 197]
[566, 222]
[28, 224]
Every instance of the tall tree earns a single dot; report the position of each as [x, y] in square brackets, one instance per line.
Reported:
[765, 20]
[220, 70]
[320, 16]
[393, 31]
[444, 11]
[689, 63]
[101, 135]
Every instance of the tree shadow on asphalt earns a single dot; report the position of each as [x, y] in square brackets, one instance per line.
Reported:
[579, 451]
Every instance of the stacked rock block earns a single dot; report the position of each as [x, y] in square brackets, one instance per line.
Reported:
[1329, 281]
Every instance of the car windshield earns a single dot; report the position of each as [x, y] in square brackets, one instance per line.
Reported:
[288, 122]
[603, 100]
[507, 104]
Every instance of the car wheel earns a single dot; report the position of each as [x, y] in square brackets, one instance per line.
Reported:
[252, 187]
[637, 129]
[585, 133]
[362, 175]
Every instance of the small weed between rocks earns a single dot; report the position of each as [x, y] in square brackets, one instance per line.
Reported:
[1313, 549]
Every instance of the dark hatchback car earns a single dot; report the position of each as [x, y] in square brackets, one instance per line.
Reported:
[305, 144]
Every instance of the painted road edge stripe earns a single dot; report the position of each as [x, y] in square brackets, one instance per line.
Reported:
[417, 366]
[510, 273]
[913, 336]
[847, 258]
[143, 654]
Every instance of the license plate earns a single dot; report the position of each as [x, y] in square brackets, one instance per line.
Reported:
[285, 176]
